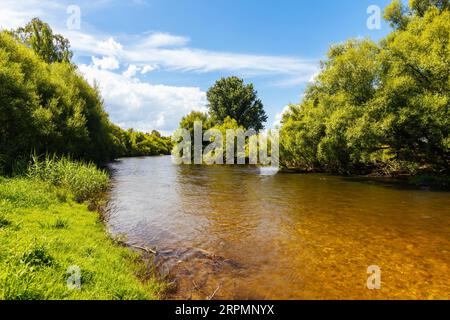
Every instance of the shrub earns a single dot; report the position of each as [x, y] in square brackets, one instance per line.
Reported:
[84, 180]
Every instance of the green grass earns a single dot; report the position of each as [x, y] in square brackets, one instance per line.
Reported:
[43, 233]
[84, 180]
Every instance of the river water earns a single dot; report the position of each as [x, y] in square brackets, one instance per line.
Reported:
[238, 232]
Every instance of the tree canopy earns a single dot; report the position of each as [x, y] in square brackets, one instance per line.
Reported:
[46, 106]
[382, 107]
[230, 97]
[48, 46]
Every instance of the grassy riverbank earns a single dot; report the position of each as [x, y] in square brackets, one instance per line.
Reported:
[45, 228]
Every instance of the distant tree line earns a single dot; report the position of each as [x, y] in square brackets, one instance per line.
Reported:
[374, 108]
[46, 106]
[232, 105]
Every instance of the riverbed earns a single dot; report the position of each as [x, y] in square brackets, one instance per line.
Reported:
[241, 232]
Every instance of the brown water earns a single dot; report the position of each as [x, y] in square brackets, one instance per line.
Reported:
[236, 232]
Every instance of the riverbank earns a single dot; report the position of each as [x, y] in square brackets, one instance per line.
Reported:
[44, 232]
[423, 180]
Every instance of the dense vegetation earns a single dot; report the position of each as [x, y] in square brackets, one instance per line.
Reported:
[43, 232]
[131, 143]
[47, 107]
[379, 107]
[232, 105]
[46, 226]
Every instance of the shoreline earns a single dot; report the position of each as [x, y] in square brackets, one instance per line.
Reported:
[45, 232]
[420, 181]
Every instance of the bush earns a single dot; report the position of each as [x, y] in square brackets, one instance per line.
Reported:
[84, 180]
[378, 106]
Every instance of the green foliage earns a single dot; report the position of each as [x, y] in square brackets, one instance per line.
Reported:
[36, 257]
[46, 107]
[41, 237]
[400, 15]
[395, 13]
[131, 143]
[230, 97]
[210, 123]
[84, 181]
[377, 107]
[39, 36]
[187, 122]
[4, 222]
[420, 7]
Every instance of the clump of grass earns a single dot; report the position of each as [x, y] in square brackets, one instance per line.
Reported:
[37, 256]
[84, 180]
[19, 283]
[4, 222]
[60, 224]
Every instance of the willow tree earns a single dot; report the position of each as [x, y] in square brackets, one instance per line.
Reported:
[379, 106]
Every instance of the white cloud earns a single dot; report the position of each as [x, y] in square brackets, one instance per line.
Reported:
[141, 51]
[132, 102]
[144, 106]
[131, 71]
[148, 68]
[161, 39]
[83, 43]
[158, 48]
[15, 13]
[106, 63]
[189, 59]
[279, 117]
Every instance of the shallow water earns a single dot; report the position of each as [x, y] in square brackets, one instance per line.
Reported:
[238, 232]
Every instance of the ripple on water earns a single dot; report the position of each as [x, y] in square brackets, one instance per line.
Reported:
[248, 233]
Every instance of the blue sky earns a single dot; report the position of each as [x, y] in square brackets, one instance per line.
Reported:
[155, 59]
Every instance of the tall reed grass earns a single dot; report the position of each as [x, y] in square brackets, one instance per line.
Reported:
[84, 180]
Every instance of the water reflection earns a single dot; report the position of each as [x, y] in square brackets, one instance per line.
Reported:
[255, 234]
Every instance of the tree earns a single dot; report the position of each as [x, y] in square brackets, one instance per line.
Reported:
[187, 122]
[230, 97]
[379, 107]
[46, 106]
[395, 14]
[48, 46]
[399, 15]
[420, 7]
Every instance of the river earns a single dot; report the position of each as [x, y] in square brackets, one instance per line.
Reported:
[240, 232]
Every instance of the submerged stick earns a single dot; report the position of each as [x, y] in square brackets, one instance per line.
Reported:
[146, 249]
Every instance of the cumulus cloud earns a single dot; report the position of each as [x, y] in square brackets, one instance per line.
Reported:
[15, 13]
[106, 63]
[148, 68]
[132, 102]
[166, 50]
[144, 106]
[131, 71]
